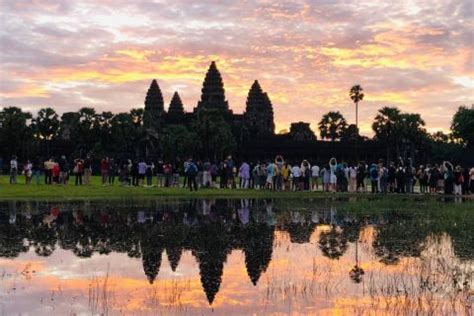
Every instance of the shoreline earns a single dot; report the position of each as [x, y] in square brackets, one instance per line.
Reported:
[96, 191]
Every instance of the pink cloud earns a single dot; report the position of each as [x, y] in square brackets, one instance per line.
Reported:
[306, 54]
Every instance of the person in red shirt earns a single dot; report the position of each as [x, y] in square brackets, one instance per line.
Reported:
[55, 173]
[104, 170]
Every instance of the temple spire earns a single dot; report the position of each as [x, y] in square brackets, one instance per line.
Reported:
[154, 106]
[259, 111]
[176, 105]
[213, 93]
[255, 100]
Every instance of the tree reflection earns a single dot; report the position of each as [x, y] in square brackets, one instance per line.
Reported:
[401, 236]
[212, 229]
[333, 243]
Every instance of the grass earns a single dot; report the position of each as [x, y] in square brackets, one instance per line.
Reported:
[95, 191]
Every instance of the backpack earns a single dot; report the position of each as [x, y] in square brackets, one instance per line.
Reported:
[373, 173]
[192, 168]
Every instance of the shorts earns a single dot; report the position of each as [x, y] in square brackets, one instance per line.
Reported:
[333, 179]
[270, 179]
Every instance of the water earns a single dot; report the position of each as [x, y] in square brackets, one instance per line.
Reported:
[234, 257]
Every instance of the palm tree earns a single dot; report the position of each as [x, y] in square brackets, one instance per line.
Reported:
[356, 96]
[332, 125]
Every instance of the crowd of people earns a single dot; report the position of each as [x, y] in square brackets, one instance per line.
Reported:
[277, 174]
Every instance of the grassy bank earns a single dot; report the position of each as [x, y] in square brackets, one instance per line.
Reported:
[97, 191]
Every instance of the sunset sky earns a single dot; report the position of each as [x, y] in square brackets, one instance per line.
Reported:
[417, 55]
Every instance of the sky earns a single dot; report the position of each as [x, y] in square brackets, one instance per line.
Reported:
[416, 55]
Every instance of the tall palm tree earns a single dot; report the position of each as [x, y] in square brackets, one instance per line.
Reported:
[356, 96]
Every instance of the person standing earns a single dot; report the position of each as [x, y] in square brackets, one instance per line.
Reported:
[213, 171]
[256, 176]
[244, 175]
[78, 170]
[159, 173]
[352, 179]
[104, 170]
[285, 175]
[421, 176]
[333, 179]
[141, 172]
[124, 173]
[63, 170]
[112, 171]
[149, 173]
[305, 174]
[433, 182]
[374, 178]
[448, 177]
[458, 180]
[392, 171]
[315, 177]
[56, 172]
[87, 170]
[401, 177]
[13, 170]
[191, 172]
[270, 175]
[279, 163]
[48, 171]
[206, 174]
[36, 169]
[361, 172]
[229, 172]
[383, 178]
[168, 172]
[27, 171]
[296, 175]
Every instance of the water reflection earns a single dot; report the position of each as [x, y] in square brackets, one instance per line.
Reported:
[212, 230]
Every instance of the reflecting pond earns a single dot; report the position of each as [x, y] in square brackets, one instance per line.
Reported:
[234, 257]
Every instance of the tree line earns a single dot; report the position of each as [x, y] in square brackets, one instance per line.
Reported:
[123, 134]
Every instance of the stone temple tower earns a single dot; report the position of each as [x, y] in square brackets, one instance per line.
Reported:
[258, 114]
[154, 107]
[213, 93]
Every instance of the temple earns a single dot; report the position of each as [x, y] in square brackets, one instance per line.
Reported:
[253, 130]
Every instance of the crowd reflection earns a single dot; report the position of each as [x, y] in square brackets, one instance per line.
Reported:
[211, 229]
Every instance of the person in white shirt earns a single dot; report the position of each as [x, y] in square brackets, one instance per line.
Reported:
[315, 177]
[352, 179]
[13, 170]
[296, 174]
[27, 171]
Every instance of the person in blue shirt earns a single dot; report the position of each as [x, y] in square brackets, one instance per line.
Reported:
[191, 172]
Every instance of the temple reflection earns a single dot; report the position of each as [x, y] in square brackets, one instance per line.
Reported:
[211, 229]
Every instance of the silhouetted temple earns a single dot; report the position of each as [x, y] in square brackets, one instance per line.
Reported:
[254, 130]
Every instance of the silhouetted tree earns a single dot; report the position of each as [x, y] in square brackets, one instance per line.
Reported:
[16, 133]
[332, 125]
[463, 125]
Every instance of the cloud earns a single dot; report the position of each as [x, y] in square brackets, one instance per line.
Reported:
[307, 54]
